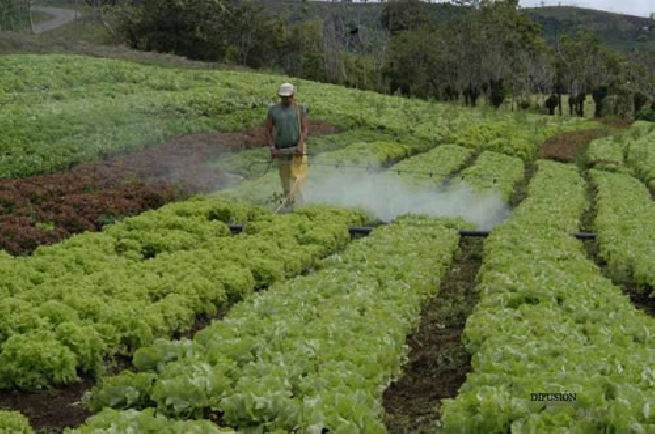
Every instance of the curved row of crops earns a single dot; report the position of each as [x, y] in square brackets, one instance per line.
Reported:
[313, 352]
[87, 107]
[630, 152]
[547, 322]
[180, 237]
[472, 139]
[626, 228]
[72, 305]
[310, 352]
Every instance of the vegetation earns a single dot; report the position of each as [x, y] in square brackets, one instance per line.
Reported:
[174, 323]
[15, 15]
[548, 322]
[443, 51]
[423, 50]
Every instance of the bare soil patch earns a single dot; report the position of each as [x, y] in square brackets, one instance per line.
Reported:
[567, 147]
[49, 410]
[438, 361]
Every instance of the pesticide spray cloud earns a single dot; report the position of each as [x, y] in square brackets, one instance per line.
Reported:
[387, 195]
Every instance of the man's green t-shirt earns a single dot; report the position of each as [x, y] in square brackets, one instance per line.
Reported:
[285, 120]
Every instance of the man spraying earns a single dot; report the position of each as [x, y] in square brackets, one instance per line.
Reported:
[288, 146]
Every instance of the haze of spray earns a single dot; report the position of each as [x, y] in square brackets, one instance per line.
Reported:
[387, 195]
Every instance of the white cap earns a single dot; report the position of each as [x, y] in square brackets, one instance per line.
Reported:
[286, 89]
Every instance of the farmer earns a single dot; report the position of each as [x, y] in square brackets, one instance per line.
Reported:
[288, 146]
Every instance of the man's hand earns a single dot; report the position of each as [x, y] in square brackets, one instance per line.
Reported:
[275, 152]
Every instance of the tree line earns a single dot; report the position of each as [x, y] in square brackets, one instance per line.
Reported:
[15, 15]
[465, 50]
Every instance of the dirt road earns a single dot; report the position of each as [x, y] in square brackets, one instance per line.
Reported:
[59, 17]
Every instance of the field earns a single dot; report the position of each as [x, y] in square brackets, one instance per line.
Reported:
[129, 303]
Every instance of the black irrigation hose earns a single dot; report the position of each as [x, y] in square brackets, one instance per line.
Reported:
[366, 230]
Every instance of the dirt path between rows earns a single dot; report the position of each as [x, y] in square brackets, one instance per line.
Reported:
[59, 18]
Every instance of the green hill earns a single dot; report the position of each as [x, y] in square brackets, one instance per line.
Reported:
[623, 32]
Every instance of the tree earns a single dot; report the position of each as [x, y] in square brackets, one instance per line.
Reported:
[15, 15]
[404, 15]
[198, 29]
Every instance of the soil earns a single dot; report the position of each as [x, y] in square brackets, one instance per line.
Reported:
[569, 147]
[445, 184]
[566, 147]
[45, 209]
[200, 323]
[521, 187]
[438, 361]
[49, 410]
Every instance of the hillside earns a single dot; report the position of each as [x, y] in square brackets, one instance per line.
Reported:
[623, 32]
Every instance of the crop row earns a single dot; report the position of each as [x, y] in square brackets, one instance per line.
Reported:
[626, 228]
[629, 152]
[252, 163]
[45, 209]
[547, 322]
[355, 158]
[640, 155]
[97, 294]
[86, 107]
[491, 171]
[519, 136]
[259, 191]
[494, 172]
[115, 421]
[314, 352]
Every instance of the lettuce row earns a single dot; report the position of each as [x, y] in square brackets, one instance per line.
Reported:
[14, 422]
[314, 352]
[94, 296]
[86, 107]
[260, 191]
[547, 322]
[373, 154]
[440, 162]
[132, 421]
[626, 152]
[518, 136]
[607, 153]
[493, 172]
[626, 228]
[640, 155]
